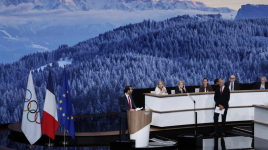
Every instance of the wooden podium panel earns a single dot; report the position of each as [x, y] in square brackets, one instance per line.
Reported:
[138, 120]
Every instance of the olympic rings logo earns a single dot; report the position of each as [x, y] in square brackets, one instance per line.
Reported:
[29, 108]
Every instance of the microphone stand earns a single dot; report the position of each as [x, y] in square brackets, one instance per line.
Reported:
[120, 128]
[147, 106]
[195, 114]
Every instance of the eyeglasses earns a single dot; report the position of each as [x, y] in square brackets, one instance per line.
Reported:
[232, 78]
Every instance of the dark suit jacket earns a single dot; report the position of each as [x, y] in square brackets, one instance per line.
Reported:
[236, 85]
[123, 103]
[222, 99]
[202, 88]
[257, 85]
[177, 91]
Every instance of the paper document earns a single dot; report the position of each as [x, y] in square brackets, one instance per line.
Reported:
[217, 110]
[137, 109]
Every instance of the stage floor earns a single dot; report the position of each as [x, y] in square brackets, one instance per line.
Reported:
[98, 130]
[209, 143]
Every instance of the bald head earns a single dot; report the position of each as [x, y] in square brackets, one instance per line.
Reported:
[232, 78]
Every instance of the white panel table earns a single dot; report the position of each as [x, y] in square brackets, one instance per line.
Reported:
[178, 109]
[261, 127]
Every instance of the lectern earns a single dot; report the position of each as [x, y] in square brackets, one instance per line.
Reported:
[139, 126]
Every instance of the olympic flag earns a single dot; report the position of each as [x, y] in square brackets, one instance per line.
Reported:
[50, 117]
[31, 117]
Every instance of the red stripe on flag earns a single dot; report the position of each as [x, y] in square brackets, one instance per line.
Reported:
[49, 125]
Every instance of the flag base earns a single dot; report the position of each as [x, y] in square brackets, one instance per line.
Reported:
[64, 143]
[30, 146]
[49, 144]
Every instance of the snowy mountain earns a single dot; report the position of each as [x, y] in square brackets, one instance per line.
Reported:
[127, 5]
[140, 55]
[252, 11]
[29, 26]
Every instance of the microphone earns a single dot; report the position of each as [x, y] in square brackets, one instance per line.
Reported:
[191, 97]
[146, 105]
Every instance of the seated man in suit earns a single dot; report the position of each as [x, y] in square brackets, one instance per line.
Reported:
[261, 85]
[232, 84]
[126, 104]
[205, 87]
[221, 98]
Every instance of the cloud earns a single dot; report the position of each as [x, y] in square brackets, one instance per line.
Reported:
[24, 14]
[39, 47]
[3, 48]
[24, 7]
[9, 37]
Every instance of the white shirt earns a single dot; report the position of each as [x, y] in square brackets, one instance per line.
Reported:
[158, 91]
[262, 86]
[222, 89]
[127, 100]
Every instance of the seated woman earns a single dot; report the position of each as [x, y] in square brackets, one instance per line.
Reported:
[205, 87]
[160, 89]
[181, 88]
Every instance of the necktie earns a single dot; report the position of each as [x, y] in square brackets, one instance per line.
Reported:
[232, 86]
[205, 90]
[129, 103]
[181, 90]
[221, 90]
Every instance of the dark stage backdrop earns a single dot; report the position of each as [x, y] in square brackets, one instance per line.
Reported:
[187, 48]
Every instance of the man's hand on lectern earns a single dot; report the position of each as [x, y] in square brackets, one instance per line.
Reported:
[132, 109]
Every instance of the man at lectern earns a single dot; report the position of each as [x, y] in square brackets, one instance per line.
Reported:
[221, 98]
[261, 85]
[126, 104]
[232, 84]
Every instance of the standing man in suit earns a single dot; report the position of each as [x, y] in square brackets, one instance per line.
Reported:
[261, 85]
[232, 84]
[126, 104]
[221, 98]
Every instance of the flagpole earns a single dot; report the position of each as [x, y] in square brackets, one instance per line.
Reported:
[29, 146]
[49, 144]
[64, 143]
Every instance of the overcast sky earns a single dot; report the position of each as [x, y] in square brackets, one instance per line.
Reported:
[233, 4]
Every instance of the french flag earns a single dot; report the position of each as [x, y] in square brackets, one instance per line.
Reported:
[50, 117]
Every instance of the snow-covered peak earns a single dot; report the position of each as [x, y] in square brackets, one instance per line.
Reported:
[252, 11]
[128, 5]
